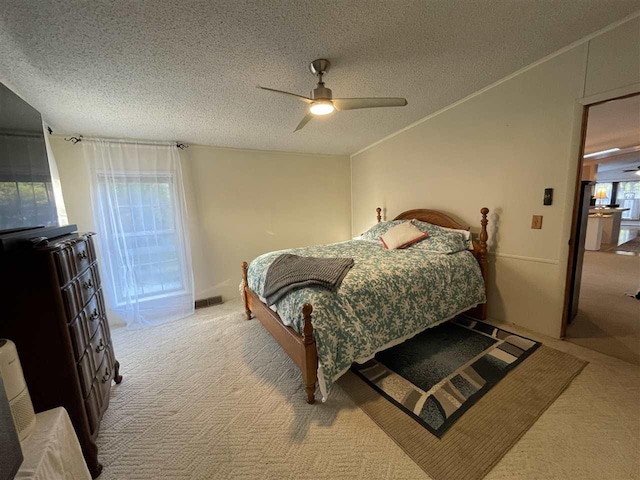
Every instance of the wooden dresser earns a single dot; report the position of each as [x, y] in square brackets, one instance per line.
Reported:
[53, 309]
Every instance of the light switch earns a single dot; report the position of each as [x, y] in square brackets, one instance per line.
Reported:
[536, 222]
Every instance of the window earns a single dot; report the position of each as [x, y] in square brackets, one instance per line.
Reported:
[628, 196]
[140, 214]
[143, 226]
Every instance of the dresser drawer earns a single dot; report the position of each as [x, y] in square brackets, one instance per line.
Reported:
[82, 256]
[91, 248]
[89, 284]
[105, 377]
[65, 265]
[84, 326]
[86, 373]
[74, 259]
[97, 400]
[80, 291]
[96, 363]
[93, 313]
[93, 406]
[98, 346]
[79, 336]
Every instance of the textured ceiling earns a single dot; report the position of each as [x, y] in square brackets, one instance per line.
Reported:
[187, 70]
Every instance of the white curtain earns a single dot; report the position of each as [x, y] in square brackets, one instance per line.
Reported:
[140, 214]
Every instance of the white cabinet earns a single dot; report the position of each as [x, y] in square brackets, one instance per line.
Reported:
[594, 232]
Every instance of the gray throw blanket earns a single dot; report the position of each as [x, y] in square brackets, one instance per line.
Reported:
[290, 272]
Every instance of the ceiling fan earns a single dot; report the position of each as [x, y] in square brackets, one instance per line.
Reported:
[636, 170]
[323, 103]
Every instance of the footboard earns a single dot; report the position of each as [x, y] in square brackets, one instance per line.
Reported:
[300, 348]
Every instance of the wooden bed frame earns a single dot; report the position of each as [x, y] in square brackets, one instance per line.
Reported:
[302, 348]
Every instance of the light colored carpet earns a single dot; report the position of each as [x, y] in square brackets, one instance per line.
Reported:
[607, 320]
[483, 434]
[213, 397]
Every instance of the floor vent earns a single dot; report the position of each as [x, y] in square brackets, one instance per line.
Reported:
[207, 302]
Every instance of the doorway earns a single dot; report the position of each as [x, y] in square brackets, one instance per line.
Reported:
[602, 311]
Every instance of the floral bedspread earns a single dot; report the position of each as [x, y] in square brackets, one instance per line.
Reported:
[386, 298]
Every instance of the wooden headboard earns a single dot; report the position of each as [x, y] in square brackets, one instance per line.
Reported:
[443, 220]
[433, 217]
[436, 217]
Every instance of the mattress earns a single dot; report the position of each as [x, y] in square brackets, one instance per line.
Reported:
[386, 298]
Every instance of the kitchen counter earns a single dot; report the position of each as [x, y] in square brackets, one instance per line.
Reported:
[611, 228]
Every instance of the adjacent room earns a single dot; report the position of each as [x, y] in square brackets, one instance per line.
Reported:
[605, 314]
[320, 240]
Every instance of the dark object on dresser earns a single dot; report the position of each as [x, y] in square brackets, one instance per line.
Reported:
[53, 309]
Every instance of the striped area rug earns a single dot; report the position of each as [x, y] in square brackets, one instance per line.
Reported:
[439, 374]
[457, 397]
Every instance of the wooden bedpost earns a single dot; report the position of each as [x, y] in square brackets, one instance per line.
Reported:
[245, 295]
[310, 370]
[482, 257]
[378, 210]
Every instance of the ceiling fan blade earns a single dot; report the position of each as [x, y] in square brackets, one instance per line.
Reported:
[303, 122]
[632, 170]
[355, 103]
[299, 97]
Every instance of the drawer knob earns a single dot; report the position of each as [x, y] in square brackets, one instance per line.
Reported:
[82, 255]
[106, 375]
[95, 315]
[101, 346]
[88, 285]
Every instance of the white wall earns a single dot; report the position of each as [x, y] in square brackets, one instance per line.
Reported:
[500, 149]
[253, 202]
[241, 204]
[74, 179]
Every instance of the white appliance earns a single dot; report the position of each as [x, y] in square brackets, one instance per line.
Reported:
[16, 389]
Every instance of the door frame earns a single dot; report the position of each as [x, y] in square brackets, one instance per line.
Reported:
[575, 214]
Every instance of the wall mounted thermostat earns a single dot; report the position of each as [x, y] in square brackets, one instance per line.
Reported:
[548, 196]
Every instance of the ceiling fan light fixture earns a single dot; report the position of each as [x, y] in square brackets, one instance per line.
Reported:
[637, 172]
[321, 101]
[322, 108]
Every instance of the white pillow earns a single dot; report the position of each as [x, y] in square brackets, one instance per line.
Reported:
[402, 236]
[465, 233]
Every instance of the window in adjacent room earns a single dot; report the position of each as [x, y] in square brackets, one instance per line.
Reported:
[628, 196]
